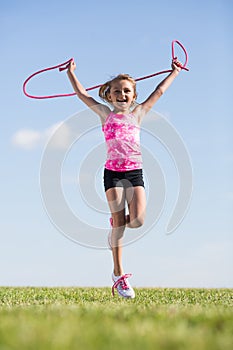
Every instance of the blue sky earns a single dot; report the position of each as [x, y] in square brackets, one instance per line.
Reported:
[107, 38]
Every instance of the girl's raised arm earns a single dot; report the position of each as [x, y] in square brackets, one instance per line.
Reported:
[99, 108]
[145, 106]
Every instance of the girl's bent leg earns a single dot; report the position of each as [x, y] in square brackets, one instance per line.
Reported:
[136, 199]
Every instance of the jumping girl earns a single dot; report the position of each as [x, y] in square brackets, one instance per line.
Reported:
[123, 177]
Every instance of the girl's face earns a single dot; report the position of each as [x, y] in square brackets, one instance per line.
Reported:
[121, 95]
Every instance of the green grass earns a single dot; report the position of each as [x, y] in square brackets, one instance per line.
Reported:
[90, 318]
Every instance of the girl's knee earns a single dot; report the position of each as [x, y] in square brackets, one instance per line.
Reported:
[137, 222]
[118, 221]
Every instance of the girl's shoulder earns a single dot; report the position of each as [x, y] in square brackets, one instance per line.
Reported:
[103, 113]
[106, 118]
[138, 113]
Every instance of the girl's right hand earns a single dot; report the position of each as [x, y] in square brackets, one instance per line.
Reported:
[176, 65]
[72, 66]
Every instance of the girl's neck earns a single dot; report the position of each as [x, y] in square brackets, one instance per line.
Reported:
[117, 111]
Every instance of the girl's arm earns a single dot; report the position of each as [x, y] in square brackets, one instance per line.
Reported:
[97, 107]
[145, 106]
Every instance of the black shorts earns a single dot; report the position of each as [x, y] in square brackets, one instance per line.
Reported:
[124, 179]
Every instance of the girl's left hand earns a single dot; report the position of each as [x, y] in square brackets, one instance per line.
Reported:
[176, 65]
[71, 66]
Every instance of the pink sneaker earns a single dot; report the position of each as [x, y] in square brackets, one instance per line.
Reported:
[121, 284]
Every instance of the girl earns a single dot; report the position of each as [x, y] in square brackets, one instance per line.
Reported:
[123, 178]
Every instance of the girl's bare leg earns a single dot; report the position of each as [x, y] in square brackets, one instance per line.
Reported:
[136, 199]
[116, 200]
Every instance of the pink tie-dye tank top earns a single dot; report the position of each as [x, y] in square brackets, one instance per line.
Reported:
[122, 136]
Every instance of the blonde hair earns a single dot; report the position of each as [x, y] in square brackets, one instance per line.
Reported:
[105, 88]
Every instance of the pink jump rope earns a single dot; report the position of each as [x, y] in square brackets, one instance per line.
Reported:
[65, 65]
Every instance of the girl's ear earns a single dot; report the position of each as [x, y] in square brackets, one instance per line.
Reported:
[133, 102]
[108, 97]
[134, 99]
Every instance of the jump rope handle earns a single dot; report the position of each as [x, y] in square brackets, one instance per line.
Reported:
[66, 66]
[174, 57]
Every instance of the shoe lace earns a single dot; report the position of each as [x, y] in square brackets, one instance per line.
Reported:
[122, 281]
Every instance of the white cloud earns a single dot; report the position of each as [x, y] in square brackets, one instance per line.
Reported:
[29, 139]
[26, 138]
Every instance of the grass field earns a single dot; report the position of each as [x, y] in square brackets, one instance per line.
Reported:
[90, 318]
